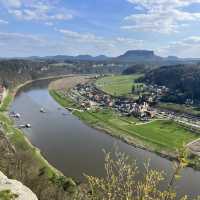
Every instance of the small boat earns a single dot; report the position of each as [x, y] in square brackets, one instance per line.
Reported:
[42, 110]
[25, 126]
[70, 109]
[28, 126]
[17, 115]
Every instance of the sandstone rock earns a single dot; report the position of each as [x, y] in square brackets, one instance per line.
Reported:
[17, 188]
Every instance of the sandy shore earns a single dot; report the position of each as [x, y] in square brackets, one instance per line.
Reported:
[67, 83]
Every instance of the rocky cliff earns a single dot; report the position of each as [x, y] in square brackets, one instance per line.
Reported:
[21, 162]
[15, 188]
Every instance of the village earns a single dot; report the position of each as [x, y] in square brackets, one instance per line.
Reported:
[90, 97]
[155, 93]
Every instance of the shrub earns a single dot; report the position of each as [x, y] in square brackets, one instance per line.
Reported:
[121, 181]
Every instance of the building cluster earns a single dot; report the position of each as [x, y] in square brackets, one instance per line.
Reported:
[152, 93]
[2, 93]
[140, 110]
[158, 90]
[90, 97]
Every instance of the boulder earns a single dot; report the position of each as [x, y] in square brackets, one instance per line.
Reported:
[17, 188]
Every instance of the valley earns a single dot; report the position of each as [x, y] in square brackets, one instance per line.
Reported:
[88, 157]
[111, 110]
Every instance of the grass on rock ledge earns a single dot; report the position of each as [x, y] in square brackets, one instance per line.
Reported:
[7, 195]
[6, 102]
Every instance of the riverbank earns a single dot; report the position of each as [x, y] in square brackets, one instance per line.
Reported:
[100, 121]
[162, 137]
[11, 93]
[25, 162]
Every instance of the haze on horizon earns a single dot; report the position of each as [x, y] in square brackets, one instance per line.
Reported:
[110, 27]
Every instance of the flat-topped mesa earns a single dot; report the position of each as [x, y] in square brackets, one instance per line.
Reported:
[140, 53]
[16, 188]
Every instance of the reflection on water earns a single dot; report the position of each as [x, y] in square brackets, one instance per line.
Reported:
[73, 147]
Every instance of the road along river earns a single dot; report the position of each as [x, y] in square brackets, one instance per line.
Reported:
[76, 149]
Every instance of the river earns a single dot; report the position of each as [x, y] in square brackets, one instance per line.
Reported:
[75, 148]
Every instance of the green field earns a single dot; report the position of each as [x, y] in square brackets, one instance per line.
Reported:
[166, 135]
[159, 135]
[120, 85]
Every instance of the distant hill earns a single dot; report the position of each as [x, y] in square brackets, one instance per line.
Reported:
[15, 71]
[183, 79]
[101, 57]
[91, 58]
[138, 56]
[172, 58]
[59, 58]
[62, 58]
[131, 56]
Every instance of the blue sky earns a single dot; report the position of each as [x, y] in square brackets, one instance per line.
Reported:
[111, 27]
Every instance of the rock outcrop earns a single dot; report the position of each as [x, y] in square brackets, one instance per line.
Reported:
[17, 188]
[21, 162]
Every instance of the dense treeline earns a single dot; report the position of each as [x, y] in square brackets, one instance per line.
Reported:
[86, 67]
[14, 71]
[183, 80]
[139, 68]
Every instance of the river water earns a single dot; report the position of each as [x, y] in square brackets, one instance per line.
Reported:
[76, 149]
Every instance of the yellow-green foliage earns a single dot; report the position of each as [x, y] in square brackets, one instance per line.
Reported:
[6, 102]
[121, 182]
[7, 195]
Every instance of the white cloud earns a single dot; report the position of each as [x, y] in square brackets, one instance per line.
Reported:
[163, 16]
[27, 45]
[71, 43]
[87, 43]
[49, 24]
[43, 10]
[74, 43]
[92, 44]
[86, 37]
[187, 48]
[12, 3]
[29, 14]
[3, 21]
[13, 37]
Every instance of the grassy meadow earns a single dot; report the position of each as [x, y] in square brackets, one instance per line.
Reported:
[162, 135]
[119, 85]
